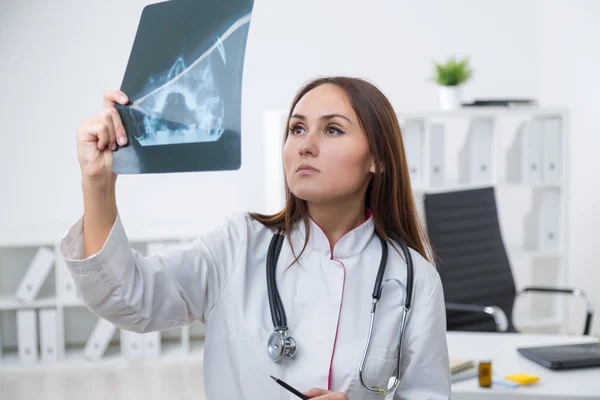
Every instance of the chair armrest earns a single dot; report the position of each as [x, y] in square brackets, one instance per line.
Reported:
[570, 291]
[494, 311]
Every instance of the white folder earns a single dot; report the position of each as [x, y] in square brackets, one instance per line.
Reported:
[151, 344]
[550, 220]
[35, 275]
[98, 342]
[413, 137]
[185, 338]
[65, 285]
[552, 146]
[27, 336]
[476, 157]
[48, 335]
[514, 157]
[131, 345]
[531, 223]
[531, 153]
[437, 169]
[542, 223]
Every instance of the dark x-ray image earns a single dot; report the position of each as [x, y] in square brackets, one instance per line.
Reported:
[184, 81]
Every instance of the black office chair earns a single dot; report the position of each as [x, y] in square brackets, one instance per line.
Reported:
[479, 287]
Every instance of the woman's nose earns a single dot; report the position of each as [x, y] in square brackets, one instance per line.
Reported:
[308, 145]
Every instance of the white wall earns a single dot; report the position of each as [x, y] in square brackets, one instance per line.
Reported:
[393, 43]
[57, 58]
[570, 68]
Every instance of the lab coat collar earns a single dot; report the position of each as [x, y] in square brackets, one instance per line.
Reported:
[351, 244]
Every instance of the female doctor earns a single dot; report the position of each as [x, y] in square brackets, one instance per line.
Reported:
[334, 294]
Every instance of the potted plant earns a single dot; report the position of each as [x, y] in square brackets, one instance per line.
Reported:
[450, 76]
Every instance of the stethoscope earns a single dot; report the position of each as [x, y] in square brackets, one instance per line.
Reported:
[280, 344]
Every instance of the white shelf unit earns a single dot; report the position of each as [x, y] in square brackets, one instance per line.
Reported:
[62, 333]
[521, 152]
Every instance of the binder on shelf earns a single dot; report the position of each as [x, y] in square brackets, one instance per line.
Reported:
[65, 285]
[552, 146]
[542, 224]
[413, 133]
[151, 344]
[131, 345]
[36, 274]
[475, 163]
[185, 338]
[197, 330]
[98, 342]
[550, 220]
[48, 335]
[60, 332]
[531, 222]
[437, 169]
[27, 336]
[524, 161]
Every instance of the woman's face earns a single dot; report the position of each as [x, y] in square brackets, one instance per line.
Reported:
[326, 155]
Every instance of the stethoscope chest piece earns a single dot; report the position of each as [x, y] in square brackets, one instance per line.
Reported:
[279, 345]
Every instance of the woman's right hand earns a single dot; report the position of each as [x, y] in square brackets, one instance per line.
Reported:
[98, 136]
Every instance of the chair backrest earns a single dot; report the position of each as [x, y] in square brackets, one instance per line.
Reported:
[471, 258]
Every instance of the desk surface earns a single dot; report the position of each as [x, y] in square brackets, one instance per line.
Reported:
[501, 349]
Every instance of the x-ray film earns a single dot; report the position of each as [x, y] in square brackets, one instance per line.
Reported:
[184, 82]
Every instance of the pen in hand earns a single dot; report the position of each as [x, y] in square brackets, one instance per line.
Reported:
[291, 389]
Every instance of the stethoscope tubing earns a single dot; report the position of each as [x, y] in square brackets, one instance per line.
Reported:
[280, 321]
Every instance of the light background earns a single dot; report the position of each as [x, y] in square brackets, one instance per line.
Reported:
[57, 58]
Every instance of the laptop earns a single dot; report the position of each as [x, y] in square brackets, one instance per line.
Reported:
[564, 356]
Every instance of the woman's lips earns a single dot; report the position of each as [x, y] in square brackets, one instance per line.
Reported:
[305, 169]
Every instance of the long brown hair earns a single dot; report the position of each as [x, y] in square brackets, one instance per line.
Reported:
[389, 194]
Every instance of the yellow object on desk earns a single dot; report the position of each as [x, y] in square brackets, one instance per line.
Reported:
[522, 379]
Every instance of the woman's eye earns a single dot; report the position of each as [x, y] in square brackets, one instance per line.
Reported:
[296, 130]
[332, 130]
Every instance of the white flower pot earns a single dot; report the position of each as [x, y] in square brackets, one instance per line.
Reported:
[450, 97]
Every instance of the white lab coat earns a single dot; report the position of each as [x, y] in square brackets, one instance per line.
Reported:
[220, 280]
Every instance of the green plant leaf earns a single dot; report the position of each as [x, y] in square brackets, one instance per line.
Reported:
[453, 72]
